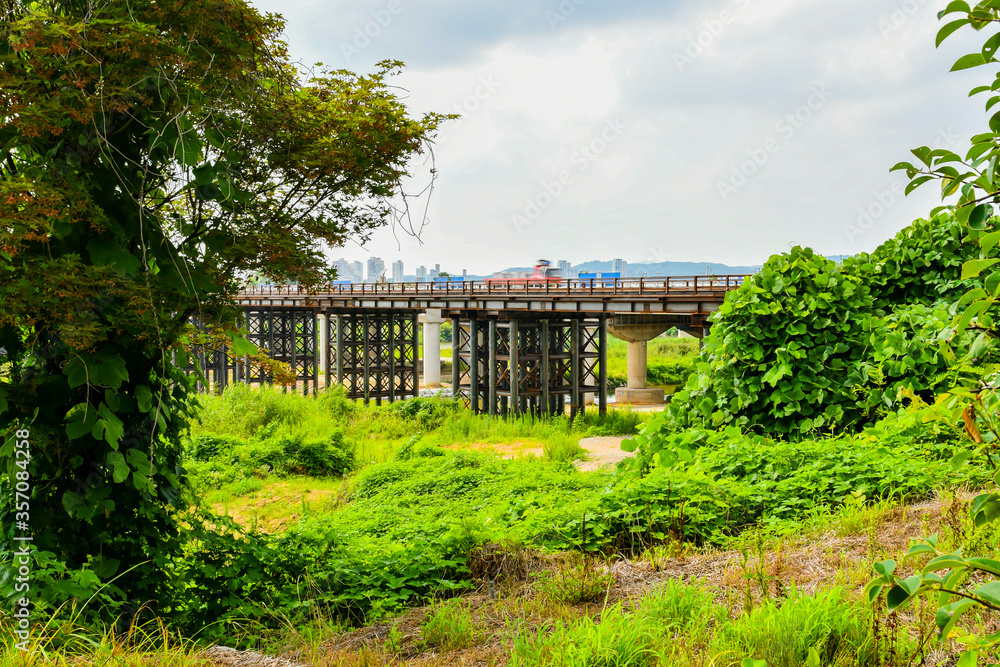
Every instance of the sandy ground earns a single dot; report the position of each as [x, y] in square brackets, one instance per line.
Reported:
[602, 452]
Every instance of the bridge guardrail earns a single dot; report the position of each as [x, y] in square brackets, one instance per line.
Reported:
[663, 286]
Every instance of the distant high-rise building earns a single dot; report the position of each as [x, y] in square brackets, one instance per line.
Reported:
[397, 271]
[353, 271]
[421, 274]
[465, 273]
[564, 268]
[343, 269]
[619, 266]
[437, 268]
[375, 268]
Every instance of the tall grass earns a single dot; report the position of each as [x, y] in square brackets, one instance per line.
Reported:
[67, 643]
[618, 639]
[373, 432]
[823, 629]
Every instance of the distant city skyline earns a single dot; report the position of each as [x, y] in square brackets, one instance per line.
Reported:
[396, 272]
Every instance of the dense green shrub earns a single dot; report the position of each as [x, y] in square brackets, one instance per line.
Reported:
[225, 458]
[411, 521]
[785, 351]
[429, 413]
[802, 348]
[660, 372]
[206, 446]
[921, 264]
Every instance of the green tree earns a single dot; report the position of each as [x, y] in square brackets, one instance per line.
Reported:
[970, 184]
[152, 153]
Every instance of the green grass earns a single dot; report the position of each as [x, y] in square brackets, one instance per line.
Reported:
[680, 624]
[449, 625]
[248, 446]
[372, 433]
[667, 359]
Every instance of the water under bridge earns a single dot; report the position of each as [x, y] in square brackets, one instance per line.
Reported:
[518, 346]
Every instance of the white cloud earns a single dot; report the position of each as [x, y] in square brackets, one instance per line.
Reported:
[532, 97]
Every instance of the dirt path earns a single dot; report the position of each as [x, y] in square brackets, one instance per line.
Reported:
[602, 452]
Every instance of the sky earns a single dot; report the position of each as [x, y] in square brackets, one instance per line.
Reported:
[678, 130]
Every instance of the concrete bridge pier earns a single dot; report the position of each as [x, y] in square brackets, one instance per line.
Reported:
[636, 330]
[431, 320]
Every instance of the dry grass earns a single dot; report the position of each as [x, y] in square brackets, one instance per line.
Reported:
[509, 599]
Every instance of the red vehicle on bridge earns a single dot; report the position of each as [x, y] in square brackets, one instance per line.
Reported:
[544, 272]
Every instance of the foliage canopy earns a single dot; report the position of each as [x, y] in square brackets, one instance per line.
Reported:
[152, 153]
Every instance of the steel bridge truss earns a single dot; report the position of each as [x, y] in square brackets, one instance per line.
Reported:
[525, 366]
[288, 335]
[500, 367]
[373, 355]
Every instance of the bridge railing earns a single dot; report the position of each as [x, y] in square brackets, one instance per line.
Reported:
[665, 286]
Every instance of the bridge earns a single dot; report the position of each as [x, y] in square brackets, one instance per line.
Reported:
[519, 346]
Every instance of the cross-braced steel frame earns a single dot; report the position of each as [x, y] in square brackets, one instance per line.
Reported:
[286, 334]
[530, 366]
[373, 355]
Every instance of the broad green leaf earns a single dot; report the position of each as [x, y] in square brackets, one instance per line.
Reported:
[77, 371]
[142, 483]
[110, 369]
[901, 593]
[919, 548]
[121, 471]
[948, 29]
[242, 347]
[955, 6]
[959, 459]
[114, 428]
[990, 592]
[973, 268]
[885, 568]
[949, 614]
[967, 61]
[944, 561]
[985, 564]
[978, 216]
[990, 47]
[145, 397]
[83, 421]
[917, 182]
[204, 174]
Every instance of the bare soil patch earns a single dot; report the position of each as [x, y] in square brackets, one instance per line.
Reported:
[602, 452]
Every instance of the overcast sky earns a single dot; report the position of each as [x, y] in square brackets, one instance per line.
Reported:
[680, 130]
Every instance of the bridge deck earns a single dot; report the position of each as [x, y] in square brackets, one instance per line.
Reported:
[687, 294]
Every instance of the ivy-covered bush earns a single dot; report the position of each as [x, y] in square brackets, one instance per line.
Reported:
[922, 264]
[786, 352]
[808, 346]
